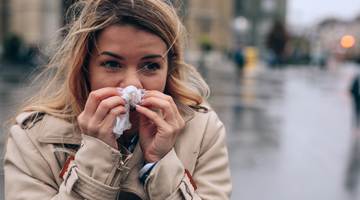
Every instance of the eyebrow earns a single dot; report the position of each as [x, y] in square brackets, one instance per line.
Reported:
[152, 56]
[122, 58]
[112, 55]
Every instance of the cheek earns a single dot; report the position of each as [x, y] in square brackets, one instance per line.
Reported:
[94, 83]
[101, 80]
[155, 83]
[162, 83]
[97, 79]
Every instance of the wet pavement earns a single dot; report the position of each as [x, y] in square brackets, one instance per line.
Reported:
[289, 131]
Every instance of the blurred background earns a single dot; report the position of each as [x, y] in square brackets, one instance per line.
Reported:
[283, 76]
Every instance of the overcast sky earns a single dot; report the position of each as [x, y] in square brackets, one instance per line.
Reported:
[309, 12]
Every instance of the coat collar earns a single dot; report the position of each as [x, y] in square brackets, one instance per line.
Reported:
[55, 130]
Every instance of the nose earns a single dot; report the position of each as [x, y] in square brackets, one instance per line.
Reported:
[131, 77]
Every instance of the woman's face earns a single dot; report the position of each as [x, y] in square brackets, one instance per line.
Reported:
[126, 56]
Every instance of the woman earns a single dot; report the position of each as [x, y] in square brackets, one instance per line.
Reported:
[62, 145]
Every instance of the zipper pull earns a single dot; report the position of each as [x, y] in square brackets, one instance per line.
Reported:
[121, 167]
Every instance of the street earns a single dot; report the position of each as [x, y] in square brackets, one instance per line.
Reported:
[289, 132]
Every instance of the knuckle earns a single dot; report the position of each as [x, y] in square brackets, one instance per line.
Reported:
[167, 130]
[93, 95]
[114, 112]
[167, 105]
[169, 99]
[81, 120]
[176, 127]
[171, 129]
[82, 125]
[182, 124]
[80, 117]
[104, 105]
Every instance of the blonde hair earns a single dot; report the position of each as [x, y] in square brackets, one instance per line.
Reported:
[66, 92]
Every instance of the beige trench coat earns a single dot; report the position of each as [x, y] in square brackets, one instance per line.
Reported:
[38, 148]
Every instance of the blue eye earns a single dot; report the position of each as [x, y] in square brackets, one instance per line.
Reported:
[151, 67]
[112, 64]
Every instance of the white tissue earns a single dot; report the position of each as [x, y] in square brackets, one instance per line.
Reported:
[131, 96]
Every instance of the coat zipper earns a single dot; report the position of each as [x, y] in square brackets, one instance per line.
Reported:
[119, 168]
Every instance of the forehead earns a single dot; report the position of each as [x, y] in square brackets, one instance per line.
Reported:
[126, 39]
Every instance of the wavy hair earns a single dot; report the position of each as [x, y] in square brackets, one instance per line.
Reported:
[66, 90]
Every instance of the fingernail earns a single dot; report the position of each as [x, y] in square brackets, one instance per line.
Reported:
[138, 106]
[146, 91]
[142, 95]
[119, 89]
[141, 101]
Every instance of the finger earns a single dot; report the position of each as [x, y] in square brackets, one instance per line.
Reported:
[108, 121]
[105, 107]
[155, 93]
[153, 116]
[95, 97]
[165, 107]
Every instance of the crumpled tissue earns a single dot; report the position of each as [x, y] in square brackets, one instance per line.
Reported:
[131, 96]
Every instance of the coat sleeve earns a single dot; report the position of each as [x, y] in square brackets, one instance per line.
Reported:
[32, 173]
[211, 176]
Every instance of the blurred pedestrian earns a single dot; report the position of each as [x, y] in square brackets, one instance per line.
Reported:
[12, 44]
[355, 95]
[240, 62]
[276, 42]
[62, 144]
[239, 59]
[353, 169]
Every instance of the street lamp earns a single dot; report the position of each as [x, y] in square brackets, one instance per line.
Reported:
[240, 24]
[347, 41]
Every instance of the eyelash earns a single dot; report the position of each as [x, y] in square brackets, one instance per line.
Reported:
[111, 62]
[157, 66]
[151, 64]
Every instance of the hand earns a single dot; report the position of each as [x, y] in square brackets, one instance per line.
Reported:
[100, 110]
[157, 135]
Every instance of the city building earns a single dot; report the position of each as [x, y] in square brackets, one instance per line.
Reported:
[355, 32]
[208, 23]
[254, 19]
[326, 39]
[36, 21]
